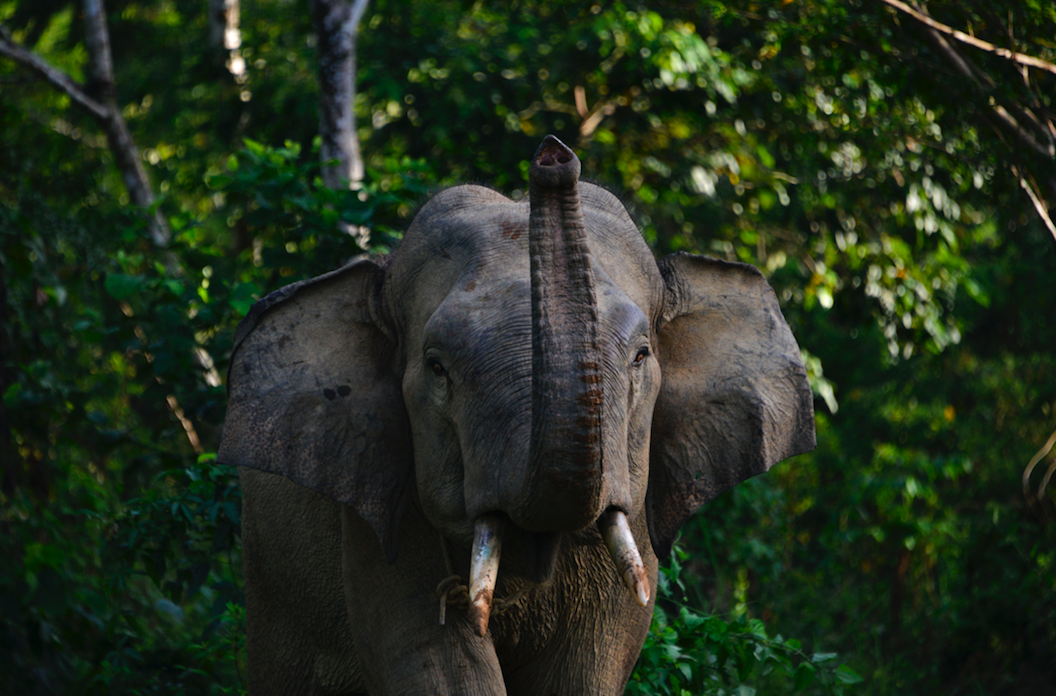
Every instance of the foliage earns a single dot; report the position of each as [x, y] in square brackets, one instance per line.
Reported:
[127, 549]
[827, 142]
[693, 652]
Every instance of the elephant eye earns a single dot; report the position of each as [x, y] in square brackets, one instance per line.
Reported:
[436, 367]
[643, 353]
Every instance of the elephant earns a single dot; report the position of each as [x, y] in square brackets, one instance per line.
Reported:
[520, 396]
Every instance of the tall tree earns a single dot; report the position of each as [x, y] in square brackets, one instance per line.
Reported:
[336, 25]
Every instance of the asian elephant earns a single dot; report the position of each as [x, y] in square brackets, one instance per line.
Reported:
[519, 378]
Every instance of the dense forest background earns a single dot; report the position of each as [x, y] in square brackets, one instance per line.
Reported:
[889, 167]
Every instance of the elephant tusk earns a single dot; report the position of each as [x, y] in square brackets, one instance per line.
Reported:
[484, 569]
[624, 552]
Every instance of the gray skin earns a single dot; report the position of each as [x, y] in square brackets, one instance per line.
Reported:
[528, 361]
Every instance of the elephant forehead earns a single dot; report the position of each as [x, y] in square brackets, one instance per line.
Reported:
[463, 238]
[481, 315]
[468, 238]
[484, 325]
[462, 225]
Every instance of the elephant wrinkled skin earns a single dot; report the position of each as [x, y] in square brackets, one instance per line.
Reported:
[520, 395]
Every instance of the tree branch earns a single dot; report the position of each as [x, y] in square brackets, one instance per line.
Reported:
[1021, 58]
[103, 109]
[55, 77]
[597, 115]
[1033, 462]
[126, 155]
[1039, 205]
[1005, 124]
[358, 8]
[97, 40]
[1002, 117]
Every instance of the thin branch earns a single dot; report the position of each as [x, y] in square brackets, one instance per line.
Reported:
[358, 8]
[592, 118]
[597, 115]
[1046, 479]
[581, 101]
[103, 109]
[1033, 462]
[1001, 118]
[1039, 205]
[1012, 125]
[1021, 58]
[550, 107]
[55, 77]
[188, 426]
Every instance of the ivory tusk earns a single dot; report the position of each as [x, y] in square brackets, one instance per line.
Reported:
[624, 552]
[484, 569]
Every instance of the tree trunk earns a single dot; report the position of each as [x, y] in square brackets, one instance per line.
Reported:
[126, 155]
[337, 27]
[225, 37]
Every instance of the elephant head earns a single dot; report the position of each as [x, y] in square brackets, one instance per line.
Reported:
[520, 371]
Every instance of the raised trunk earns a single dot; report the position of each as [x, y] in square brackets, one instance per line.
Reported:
[565, 454]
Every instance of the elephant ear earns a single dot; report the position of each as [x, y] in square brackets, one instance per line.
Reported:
[734, 398]
[313, 395]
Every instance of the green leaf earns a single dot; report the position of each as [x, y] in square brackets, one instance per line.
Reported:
[976, 292]
[121, 286]
[846, 675]
[11, 396]
[716, 627]
[254, 147]
[243, 296]
[747, 664]
[804, 676]
[765, 157]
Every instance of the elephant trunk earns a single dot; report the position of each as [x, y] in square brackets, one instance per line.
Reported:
[565, 452]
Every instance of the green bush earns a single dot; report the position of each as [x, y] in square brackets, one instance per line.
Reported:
[692, 653]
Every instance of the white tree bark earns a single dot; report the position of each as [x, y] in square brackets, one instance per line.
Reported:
[224, 35]
[337, 27]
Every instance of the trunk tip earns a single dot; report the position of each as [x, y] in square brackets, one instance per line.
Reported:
[554, 165]
[553, 152]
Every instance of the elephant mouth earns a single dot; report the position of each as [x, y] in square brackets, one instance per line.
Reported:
[540, 551]
[530, 554]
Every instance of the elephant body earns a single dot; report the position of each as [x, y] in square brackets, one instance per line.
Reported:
[519, 396]
[578, 634]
